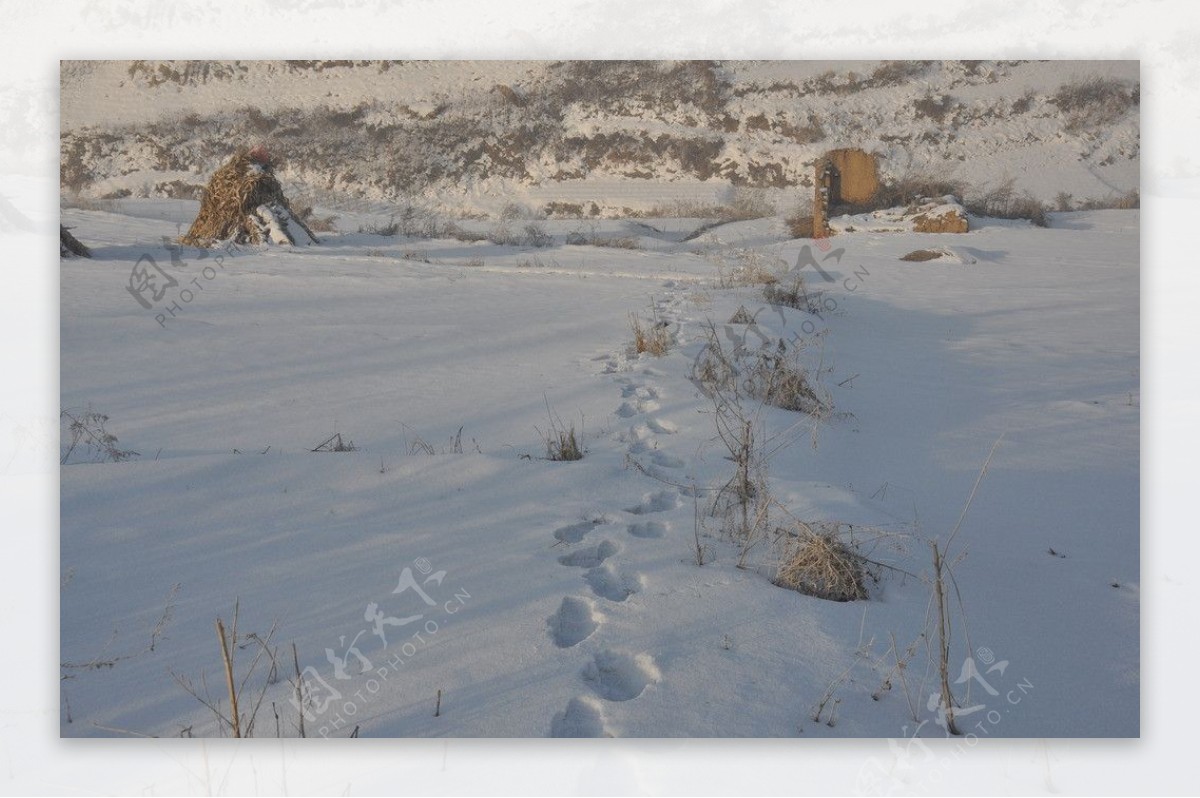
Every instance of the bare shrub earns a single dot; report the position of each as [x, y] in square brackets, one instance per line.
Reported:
[777, 378]
[1095, 101]
[74, 173]
[747, 203]
[896, 73]
[100, 445]
[1129, 200]
[503, 236]
[742, 267]
[617, 242]
[591, 238]
[912, 186]
[386, 229]
[1003, 202]
[743, 502]
[933, 107]
[511, 211]
[794, 294]
[1024, 103]
[714, 370]
[535, 235]
[563, 210]
[73, 200]
[809, 133]
[318, 224]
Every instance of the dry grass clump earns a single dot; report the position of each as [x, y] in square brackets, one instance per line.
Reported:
[653, 338]
[562, 443]
[800, 224]
[1124, 202]
[794, 295]
[318, 224]
[1095, 101]
[1003, 202]
[817, 562]
[591, 238]
[776, 378]
[911, 186]
[746, 267]
[897, 73]
[933, 107]
[773, 375]
[228, 211]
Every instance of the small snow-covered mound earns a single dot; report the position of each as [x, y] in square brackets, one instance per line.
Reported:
[942, 254]
[926, 215]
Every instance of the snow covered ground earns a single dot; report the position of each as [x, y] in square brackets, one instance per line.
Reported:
[563, 598]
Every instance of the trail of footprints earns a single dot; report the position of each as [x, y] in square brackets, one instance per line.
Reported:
[613, 675]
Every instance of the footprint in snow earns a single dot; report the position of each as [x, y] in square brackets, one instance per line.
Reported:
[638, 436]
[666, 460]
[648, 529]
[591, 556]
[606, 582]
[629, 410]
[618, 676]
[574, 533]
[656, 503]
[583, 717]
[639, 392]
[661, 427]
[574, 622]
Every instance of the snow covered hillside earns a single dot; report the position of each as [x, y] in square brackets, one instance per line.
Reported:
[599, 138]
[439, 576]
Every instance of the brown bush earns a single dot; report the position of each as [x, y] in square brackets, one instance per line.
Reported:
[951, 221]
[231, 198]
[819, 563]
[1095, 101]
[935, 108]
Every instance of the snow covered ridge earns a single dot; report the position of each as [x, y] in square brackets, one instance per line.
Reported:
[464, 134]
